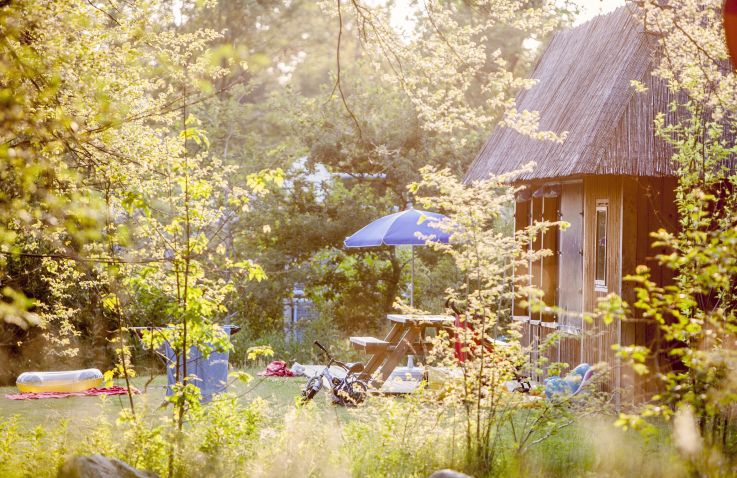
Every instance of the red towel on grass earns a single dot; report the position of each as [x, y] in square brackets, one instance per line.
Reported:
[87, 393]
[277, 368]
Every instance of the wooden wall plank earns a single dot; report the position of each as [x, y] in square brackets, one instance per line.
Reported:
[632, 212]
[549, 269]
[656, 209]
[549, 351]
[521, 221]
[570, 349]
[537, 267]
[570, 281]
[597, 337]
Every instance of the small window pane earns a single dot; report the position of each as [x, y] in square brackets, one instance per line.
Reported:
[600, 248]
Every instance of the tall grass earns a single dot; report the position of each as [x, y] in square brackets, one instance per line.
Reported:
[397, 437]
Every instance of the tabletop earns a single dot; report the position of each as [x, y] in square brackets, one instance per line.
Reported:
[421, 319]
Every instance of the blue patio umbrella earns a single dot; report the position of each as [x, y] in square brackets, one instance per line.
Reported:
[410, 227]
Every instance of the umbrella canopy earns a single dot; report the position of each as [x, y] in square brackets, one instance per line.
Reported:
[400, 229]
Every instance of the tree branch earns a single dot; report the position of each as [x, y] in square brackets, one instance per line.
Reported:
[338, 83]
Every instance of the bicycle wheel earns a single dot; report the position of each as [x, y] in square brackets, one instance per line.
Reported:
[311, 389]
[351, 393]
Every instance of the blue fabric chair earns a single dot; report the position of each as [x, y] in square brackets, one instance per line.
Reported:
[571, 385]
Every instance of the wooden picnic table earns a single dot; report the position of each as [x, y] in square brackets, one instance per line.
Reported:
[405, 337]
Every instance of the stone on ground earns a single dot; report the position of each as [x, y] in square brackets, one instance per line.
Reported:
[449, 474]
[98, 466]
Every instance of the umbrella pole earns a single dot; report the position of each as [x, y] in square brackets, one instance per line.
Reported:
[412, 285]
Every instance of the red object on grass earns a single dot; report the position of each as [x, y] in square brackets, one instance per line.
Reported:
[729, 12]
[461, 346]
[277, 368]
[93, 392]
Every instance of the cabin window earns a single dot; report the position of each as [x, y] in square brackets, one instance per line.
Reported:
[602, 209]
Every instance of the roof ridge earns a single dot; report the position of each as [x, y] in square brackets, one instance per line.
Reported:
[609, 134]
[584, 88]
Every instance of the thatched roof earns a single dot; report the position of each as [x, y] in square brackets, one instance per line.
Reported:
[585, 88]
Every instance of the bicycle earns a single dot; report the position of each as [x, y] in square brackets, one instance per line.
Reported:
[347, 391]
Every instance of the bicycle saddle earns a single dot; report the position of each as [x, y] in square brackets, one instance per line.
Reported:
[351, 368]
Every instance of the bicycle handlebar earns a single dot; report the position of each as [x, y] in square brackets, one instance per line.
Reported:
[450, 303]
[319, 345]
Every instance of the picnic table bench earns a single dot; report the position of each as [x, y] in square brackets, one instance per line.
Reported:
[405, 337]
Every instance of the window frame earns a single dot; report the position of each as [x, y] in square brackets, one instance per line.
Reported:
[602, 205]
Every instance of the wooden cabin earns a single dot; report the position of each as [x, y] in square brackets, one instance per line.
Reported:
[612, 179]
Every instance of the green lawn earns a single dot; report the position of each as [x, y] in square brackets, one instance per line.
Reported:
[278, 392]
[575, 450]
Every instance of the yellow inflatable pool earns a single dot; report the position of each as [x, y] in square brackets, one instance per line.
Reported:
[68, 381]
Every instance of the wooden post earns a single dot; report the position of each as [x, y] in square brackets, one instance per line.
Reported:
[378, 358]
[411, 335]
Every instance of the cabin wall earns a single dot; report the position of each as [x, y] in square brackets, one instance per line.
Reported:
[549, 265]
[522, 218]
[649, 205]
[597, 336]
[559, 275]
[543, 273]
[536, 270]
[570, 279]
[570, 348]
